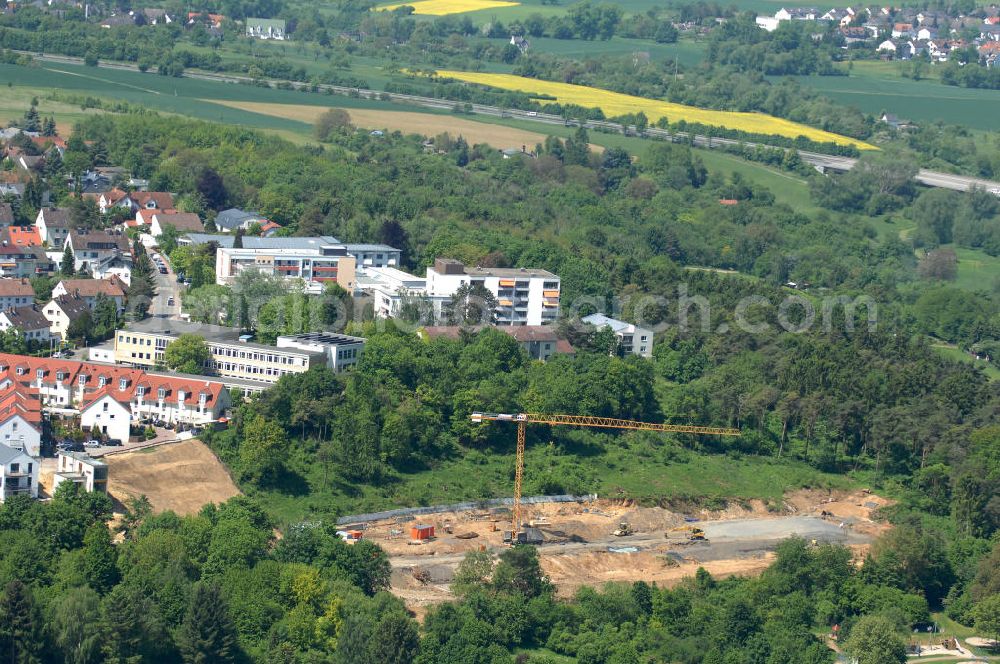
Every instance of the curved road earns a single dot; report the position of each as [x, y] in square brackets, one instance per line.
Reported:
[818, 160]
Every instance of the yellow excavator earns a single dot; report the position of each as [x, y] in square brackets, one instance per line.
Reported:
[692, 533]
[624, 530]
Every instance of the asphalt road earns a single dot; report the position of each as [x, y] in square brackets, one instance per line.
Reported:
[166, 288]
[924, 176]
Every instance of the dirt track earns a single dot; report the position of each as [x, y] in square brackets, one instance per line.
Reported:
[181, 477]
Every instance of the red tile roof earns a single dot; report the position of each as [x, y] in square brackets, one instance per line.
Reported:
[16, 288]
[163, 200]
[23, 236]
[93, 287]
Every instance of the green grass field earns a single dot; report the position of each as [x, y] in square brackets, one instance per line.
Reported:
[640, 470]
[977, 270]
[952, 352]
[874, 89]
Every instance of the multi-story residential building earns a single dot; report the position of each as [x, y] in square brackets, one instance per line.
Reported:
[315, 260]
[89, 289]
[525, 296]
[53, 226]
[633, 340]
[143, 345]
[389, 288]
[18, 473]
[62, 311]
[29, 322]
[20, 262]
[97, 251]
[82, 469]
[21, 419]
[106, 413]
[16, 293]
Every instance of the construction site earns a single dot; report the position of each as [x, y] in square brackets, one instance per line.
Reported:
[595, 541]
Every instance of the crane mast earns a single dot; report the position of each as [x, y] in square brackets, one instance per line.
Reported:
[523, 419]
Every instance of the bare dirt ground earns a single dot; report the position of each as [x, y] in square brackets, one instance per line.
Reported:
[181, 477]
[425, 124]
[579, 548]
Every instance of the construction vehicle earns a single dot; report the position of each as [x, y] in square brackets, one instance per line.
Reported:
[624, 530]
[690, 533]
[516, 535]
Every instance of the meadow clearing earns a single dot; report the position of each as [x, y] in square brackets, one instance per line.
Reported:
[446, 7]
[616, 103]
[408, 122]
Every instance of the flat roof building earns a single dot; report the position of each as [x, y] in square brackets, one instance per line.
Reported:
[525, 296]
[633, 340]
[144, 343]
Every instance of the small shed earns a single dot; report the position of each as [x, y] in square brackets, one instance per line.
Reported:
[421, 531]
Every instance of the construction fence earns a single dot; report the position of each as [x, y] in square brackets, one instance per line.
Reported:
[404, 513]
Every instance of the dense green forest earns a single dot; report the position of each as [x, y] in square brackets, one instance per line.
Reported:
[843, 397]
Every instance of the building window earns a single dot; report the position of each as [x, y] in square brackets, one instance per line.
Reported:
[102, 381]
[105, 408]
[39, 373]
[122, 384]
[161, 393]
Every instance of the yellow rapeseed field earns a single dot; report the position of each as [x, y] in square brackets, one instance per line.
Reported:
[445, 7]
[616, 103]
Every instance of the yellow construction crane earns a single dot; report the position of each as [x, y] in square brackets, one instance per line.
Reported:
[583, 421]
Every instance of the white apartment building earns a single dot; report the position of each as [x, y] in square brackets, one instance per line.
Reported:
[390, 287]
[314, 260]
[525, 296]
[633, 340]
[18, 473]
[107, 416]
[88, 472]
[340, 350]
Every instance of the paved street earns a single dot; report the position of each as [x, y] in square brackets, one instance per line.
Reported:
[166, 287]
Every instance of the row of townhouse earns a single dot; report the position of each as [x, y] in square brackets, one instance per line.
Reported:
[20, 440]
[110, 399]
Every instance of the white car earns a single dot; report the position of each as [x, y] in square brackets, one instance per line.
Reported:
[92, 443]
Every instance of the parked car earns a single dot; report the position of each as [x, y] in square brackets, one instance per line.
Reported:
[170, 301]
[113, 442]
[92, 443]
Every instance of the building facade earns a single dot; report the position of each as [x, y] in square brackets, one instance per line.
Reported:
[16, 293]
[525, 296]
[145, 342]
[632, 339]
[88, 472]
[18, 473]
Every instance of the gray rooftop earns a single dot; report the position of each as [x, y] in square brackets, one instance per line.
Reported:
[85, 458]
[8, 454]
[178, 327]
[211, 334]
[600, 320]
[227, 240]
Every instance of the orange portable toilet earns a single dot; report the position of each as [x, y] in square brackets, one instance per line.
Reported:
[421, 532]
[355, 534]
